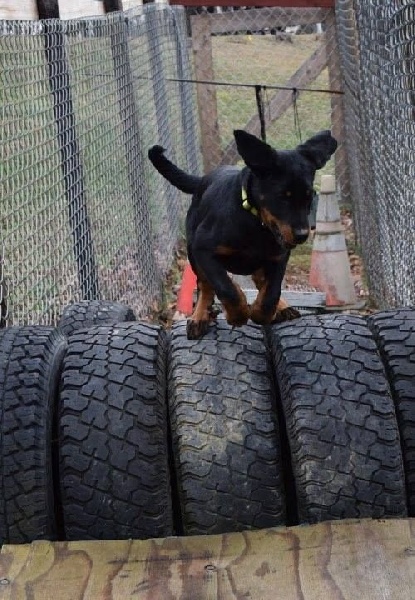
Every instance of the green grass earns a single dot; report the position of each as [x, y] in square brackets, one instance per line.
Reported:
[301, 256]
[261, 60]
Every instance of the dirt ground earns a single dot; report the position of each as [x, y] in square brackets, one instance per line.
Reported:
[296, 277]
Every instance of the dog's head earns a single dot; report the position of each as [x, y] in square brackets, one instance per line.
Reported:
[282, 182]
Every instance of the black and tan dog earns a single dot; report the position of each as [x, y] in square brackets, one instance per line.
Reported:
[246, 221]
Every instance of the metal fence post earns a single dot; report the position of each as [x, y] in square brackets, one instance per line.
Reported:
[184, 71]
[154, 16]
[337, 104]
[133, 150]
[59, 81]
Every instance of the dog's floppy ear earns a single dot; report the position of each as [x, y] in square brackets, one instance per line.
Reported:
[318, 148]
[257, 155]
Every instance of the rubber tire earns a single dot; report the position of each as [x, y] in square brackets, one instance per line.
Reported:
[84, 314]
[394, 332]
[340, 419]
[30, 365]
[113, 434]
[224, 430]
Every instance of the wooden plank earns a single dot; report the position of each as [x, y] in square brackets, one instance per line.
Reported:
[127, 4]
[256, 3]
[206, 94]
[347, 560]
[305, 300]
[75, 9]
[282, 99]
[258, 19]
[23, 9]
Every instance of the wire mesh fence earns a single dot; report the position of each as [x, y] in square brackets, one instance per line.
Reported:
[376, 45]
[83, 215]
[276, 74]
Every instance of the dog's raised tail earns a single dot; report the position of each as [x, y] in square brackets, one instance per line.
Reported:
[186, 183]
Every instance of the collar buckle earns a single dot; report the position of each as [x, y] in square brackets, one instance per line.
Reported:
[246, 205]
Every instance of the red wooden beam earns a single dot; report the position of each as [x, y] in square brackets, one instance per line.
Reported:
[283, 3]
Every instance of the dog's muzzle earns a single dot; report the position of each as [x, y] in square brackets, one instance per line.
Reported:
[301, 235]
[275, 230]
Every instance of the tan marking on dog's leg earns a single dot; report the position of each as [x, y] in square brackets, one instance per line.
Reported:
[282, 304]
[205, 298]
[198, 323]
[258, 278]
[257, 314]
[237, 315]
[261, 285]
[283, 311]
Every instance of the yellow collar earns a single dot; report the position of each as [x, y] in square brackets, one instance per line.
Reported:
[246, 205]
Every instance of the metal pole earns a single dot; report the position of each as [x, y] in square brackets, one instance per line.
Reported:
[59, 82]
[133, 151]
[155, 16]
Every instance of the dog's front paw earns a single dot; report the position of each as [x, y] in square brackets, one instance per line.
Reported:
[259, 317]
[196, 329]
[237, 321]
[236, 317]
[286, 314]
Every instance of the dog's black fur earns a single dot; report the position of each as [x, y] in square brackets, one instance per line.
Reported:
[246, 221]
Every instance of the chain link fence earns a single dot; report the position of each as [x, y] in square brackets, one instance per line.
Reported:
[84, 215]
[276, 73]
[376, 41]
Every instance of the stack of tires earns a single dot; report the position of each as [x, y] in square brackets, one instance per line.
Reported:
[111, 428]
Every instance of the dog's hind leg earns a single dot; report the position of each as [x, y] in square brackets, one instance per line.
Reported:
[198, 323]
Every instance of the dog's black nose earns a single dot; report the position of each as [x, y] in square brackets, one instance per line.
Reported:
[300, 235]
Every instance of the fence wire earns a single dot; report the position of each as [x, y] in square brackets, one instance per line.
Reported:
[376, 40]
[83, 214]
[291, 55]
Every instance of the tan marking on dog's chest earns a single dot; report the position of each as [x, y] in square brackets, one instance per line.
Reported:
[226, 251]
[277, 258]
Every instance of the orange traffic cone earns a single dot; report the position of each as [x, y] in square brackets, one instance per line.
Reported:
[330, 267]
[184, 303]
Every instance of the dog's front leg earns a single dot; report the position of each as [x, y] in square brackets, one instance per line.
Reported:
[269, 307]
[198, 323]
[285, 312]
[232, 298]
